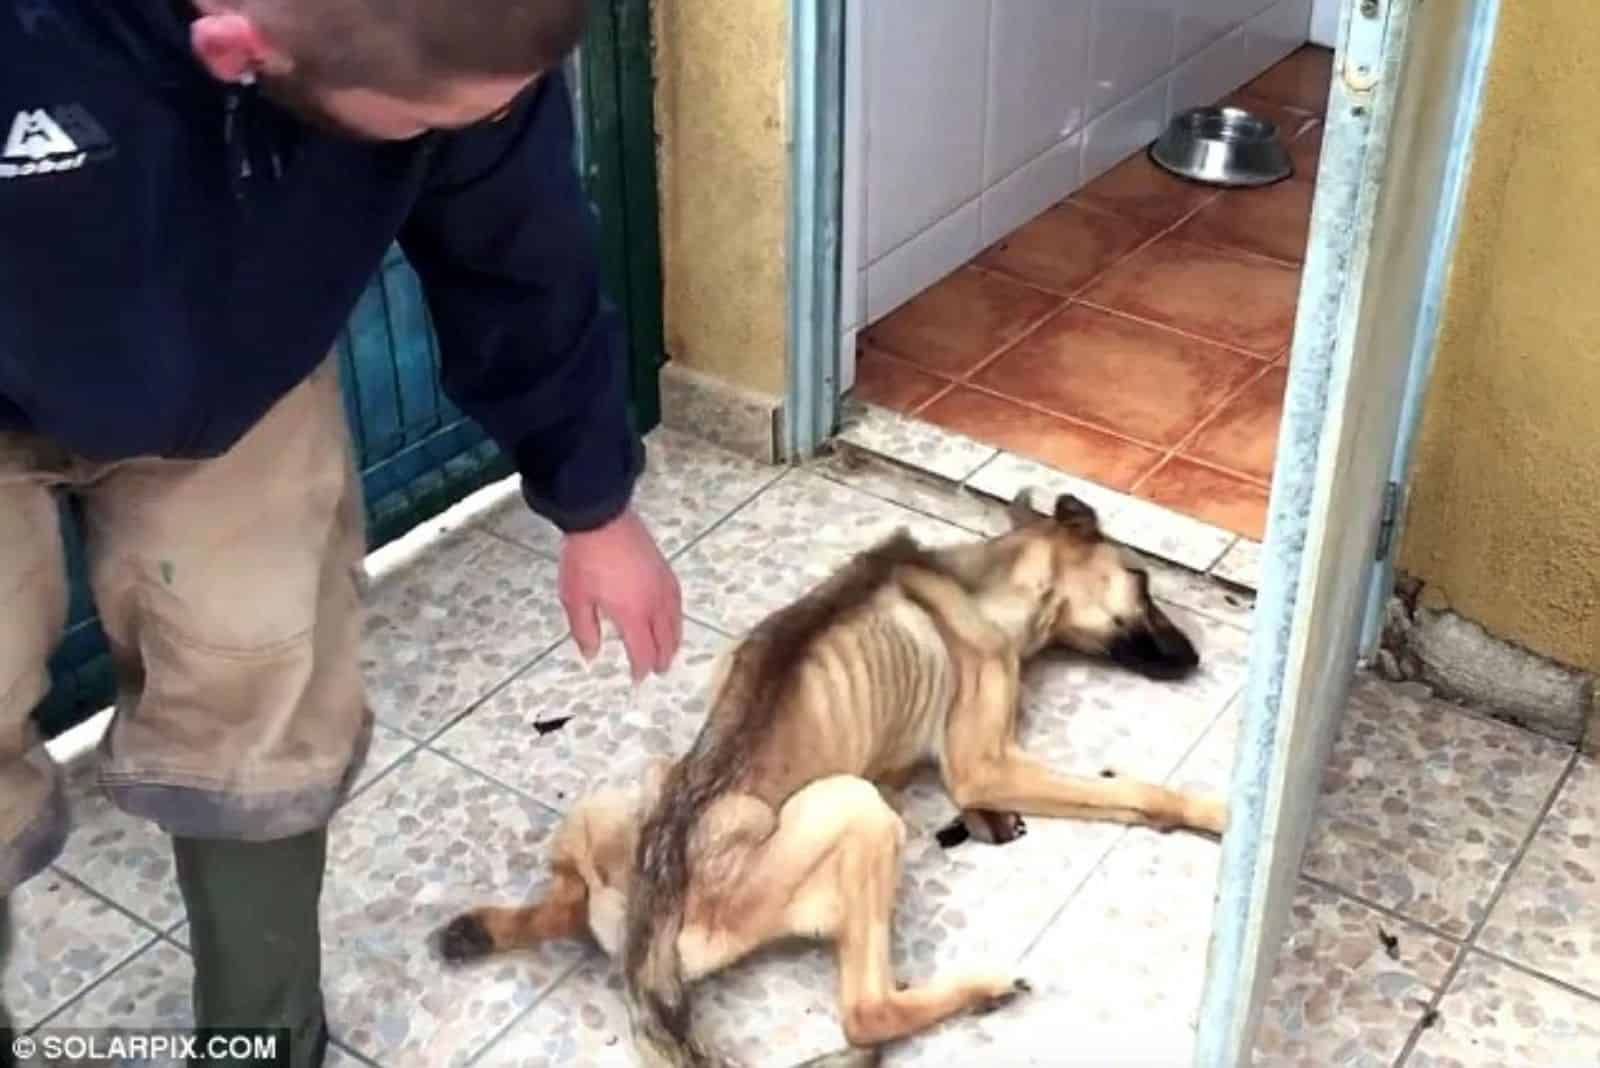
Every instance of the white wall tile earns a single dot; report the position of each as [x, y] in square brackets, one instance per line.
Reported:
[1325, 22]
[923, 260]
[1201, 22]
[1038, 80]
[847, 360]
[926, 82]
[1031, 188]
[1219, 69]
[1133, 43]
[1276, 32]
[1125, 129]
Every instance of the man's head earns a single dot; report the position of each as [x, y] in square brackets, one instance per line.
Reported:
[387, 69]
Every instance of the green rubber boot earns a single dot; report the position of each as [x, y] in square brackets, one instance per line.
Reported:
[256, 941]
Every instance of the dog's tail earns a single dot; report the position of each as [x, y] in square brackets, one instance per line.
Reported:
[653, 981]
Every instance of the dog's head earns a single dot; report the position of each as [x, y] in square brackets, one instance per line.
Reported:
[1091, 597]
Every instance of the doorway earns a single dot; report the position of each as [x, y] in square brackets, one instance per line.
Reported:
[1074, 305]
[1402, 95]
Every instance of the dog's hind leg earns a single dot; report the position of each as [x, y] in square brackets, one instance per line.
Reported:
[832, 869]
[561, 913]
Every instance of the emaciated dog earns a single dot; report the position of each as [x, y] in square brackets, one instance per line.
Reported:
[773, 825]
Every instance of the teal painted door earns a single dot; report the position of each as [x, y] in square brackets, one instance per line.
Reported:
[418, 453]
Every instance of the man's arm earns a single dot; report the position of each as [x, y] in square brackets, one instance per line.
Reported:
[504, 245]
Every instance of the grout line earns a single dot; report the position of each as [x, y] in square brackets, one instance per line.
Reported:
[520, 793]
[1470, 943]
[518, 1018]
[1383, 910]
[1126, 832]
[519, 673]
[1188, 335]
[1534, 973]
[351, 1052]
[488, 695]
[1168, 328]
[1207, 421]
[955, 487]
[79, 998]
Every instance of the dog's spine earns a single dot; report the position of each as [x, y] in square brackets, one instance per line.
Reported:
[741, 716]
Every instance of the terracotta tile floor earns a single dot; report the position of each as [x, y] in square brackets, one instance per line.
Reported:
[1135, 334]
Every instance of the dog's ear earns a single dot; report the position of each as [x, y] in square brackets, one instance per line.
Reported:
[1076, 516]
[1021, 511]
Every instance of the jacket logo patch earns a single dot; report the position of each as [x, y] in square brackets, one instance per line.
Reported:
[52, 141]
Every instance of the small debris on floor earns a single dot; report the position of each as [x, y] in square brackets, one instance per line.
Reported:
[1391, 943]
[1232, 601]
[1430, 1019]
[547, 726]
[953, 833]
[1107, 773]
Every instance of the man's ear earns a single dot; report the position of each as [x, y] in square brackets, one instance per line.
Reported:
[233, 47]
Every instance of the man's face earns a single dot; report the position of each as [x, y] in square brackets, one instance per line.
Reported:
[372, 115]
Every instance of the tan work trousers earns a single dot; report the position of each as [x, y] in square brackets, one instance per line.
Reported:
[230, 592]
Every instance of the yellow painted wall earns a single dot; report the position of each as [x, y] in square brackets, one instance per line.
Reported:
[1504, 517]
[721, 110]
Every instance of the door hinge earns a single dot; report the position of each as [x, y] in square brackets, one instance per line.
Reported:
[1363, 52]
[1386, 523]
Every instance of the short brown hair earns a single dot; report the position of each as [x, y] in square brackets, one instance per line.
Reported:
[404, 45]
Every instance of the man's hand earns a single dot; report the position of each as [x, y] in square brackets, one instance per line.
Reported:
[617, 571]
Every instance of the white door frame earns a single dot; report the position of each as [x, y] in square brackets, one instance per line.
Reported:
[1404, 105]
[1368, 313]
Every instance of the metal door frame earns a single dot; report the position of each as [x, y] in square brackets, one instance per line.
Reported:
[1343, 291]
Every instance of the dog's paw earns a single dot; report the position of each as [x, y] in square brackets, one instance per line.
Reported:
[1004, 994]
[994, 828]
[462, 940]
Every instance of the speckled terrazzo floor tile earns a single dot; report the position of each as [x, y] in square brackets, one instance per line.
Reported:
[1198, 592]
[1424, 807]
[688, 486]
[1241, 565]
[445, 632]
[915, 443]
[129, 860]
[66, 939]
[388, 748]
[151, 993]
[1117, 976]
[428, 840]
[121, 857]
[612, 732]
[1008, 474]
[940, 498]
[773, 1011]
[1338, 999]
[791, 537]
[1163, 533]
[1548, 919]
[1494, 1016]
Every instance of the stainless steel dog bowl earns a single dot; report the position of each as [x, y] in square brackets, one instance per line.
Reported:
[1223, 146]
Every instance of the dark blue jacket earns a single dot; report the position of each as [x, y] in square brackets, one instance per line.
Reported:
[176, 254]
